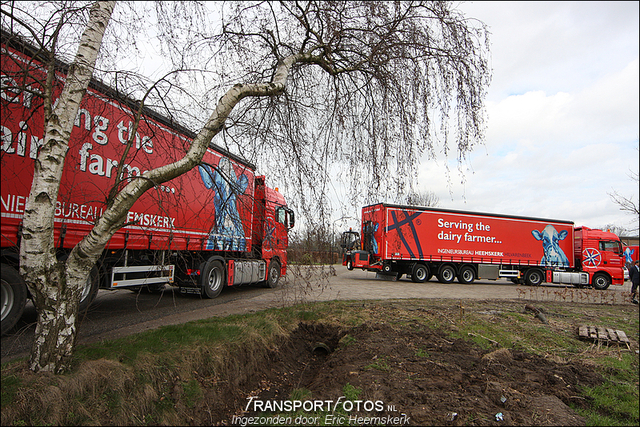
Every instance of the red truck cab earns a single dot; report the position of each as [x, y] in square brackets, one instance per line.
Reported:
[600, 254]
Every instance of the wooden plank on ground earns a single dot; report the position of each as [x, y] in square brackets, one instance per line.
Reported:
[602, 333]
[622, 336]
[583, 331]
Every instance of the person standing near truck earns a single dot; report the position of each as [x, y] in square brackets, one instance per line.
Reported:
[634, 275]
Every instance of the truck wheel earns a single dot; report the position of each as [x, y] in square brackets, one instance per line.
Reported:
[386, 268]
[349, 264]
[420, 273]
[467, 275]
[90, 290]
[533, 277]
[14, 297]
[212, 278]
[274, 275]
[601, 281]
[446, 274]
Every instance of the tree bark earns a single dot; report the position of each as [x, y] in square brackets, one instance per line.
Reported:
[55, 296]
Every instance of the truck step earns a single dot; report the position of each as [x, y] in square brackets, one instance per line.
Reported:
[391, 277]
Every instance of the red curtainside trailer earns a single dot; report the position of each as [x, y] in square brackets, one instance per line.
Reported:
[422, 242]
[218, 224]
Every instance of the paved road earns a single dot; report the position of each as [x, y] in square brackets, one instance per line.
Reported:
[119, 313]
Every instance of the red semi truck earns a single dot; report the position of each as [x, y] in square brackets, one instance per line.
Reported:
[216, 225]
[421, 242]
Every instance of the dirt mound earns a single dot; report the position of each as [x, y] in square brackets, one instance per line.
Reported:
[404, 375]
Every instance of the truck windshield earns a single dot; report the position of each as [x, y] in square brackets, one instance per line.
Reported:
[350, 240]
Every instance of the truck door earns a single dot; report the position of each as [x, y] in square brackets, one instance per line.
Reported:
[612, 256]
[285, 220]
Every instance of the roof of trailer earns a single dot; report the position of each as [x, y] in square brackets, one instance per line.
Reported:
[451, 211]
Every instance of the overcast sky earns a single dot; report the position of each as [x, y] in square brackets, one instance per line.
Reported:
[562, 115]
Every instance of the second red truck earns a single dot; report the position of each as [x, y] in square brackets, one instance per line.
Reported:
[422, 242]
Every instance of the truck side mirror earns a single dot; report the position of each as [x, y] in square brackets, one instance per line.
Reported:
[292, 219]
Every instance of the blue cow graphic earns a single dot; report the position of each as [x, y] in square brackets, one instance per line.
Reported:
[228, 232]
[553, 254]
[627, 255]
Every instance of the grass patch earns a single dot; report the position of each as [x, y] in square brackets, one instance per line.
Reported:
[615, 403]
[381, 364]
[422, 353]
[347, 340]
[350, 392]
[10, 385]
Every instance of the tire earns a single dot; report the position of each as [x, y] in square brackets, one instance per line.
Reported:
[386, 268]
[212, 278]
[14, 297]
[90, 290]
[467, 275]
[273, 277]
[420, 273]
[446, 274]
[601, 281]
[349, 264]
[148, 289]
[533, 277]
[154, 289]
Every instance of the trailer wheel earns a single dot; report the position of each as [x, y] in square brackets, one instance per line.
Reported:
[14, 297]
[212, 278]
[274, 275]
[420, 273]
[90, 290]
[467, 275]
[446, 274]
[601, 281]
[533, 277]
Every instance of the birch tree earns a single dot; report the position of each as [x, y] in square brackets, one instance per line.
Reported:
[359, 90]
[56, 287]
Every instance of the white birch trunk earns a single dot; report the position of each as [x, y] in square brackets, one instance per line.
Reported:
[56, 298]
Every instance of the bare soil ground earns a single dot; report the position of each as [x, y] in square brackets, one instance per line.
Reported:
[419, 376]
[454, 382]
